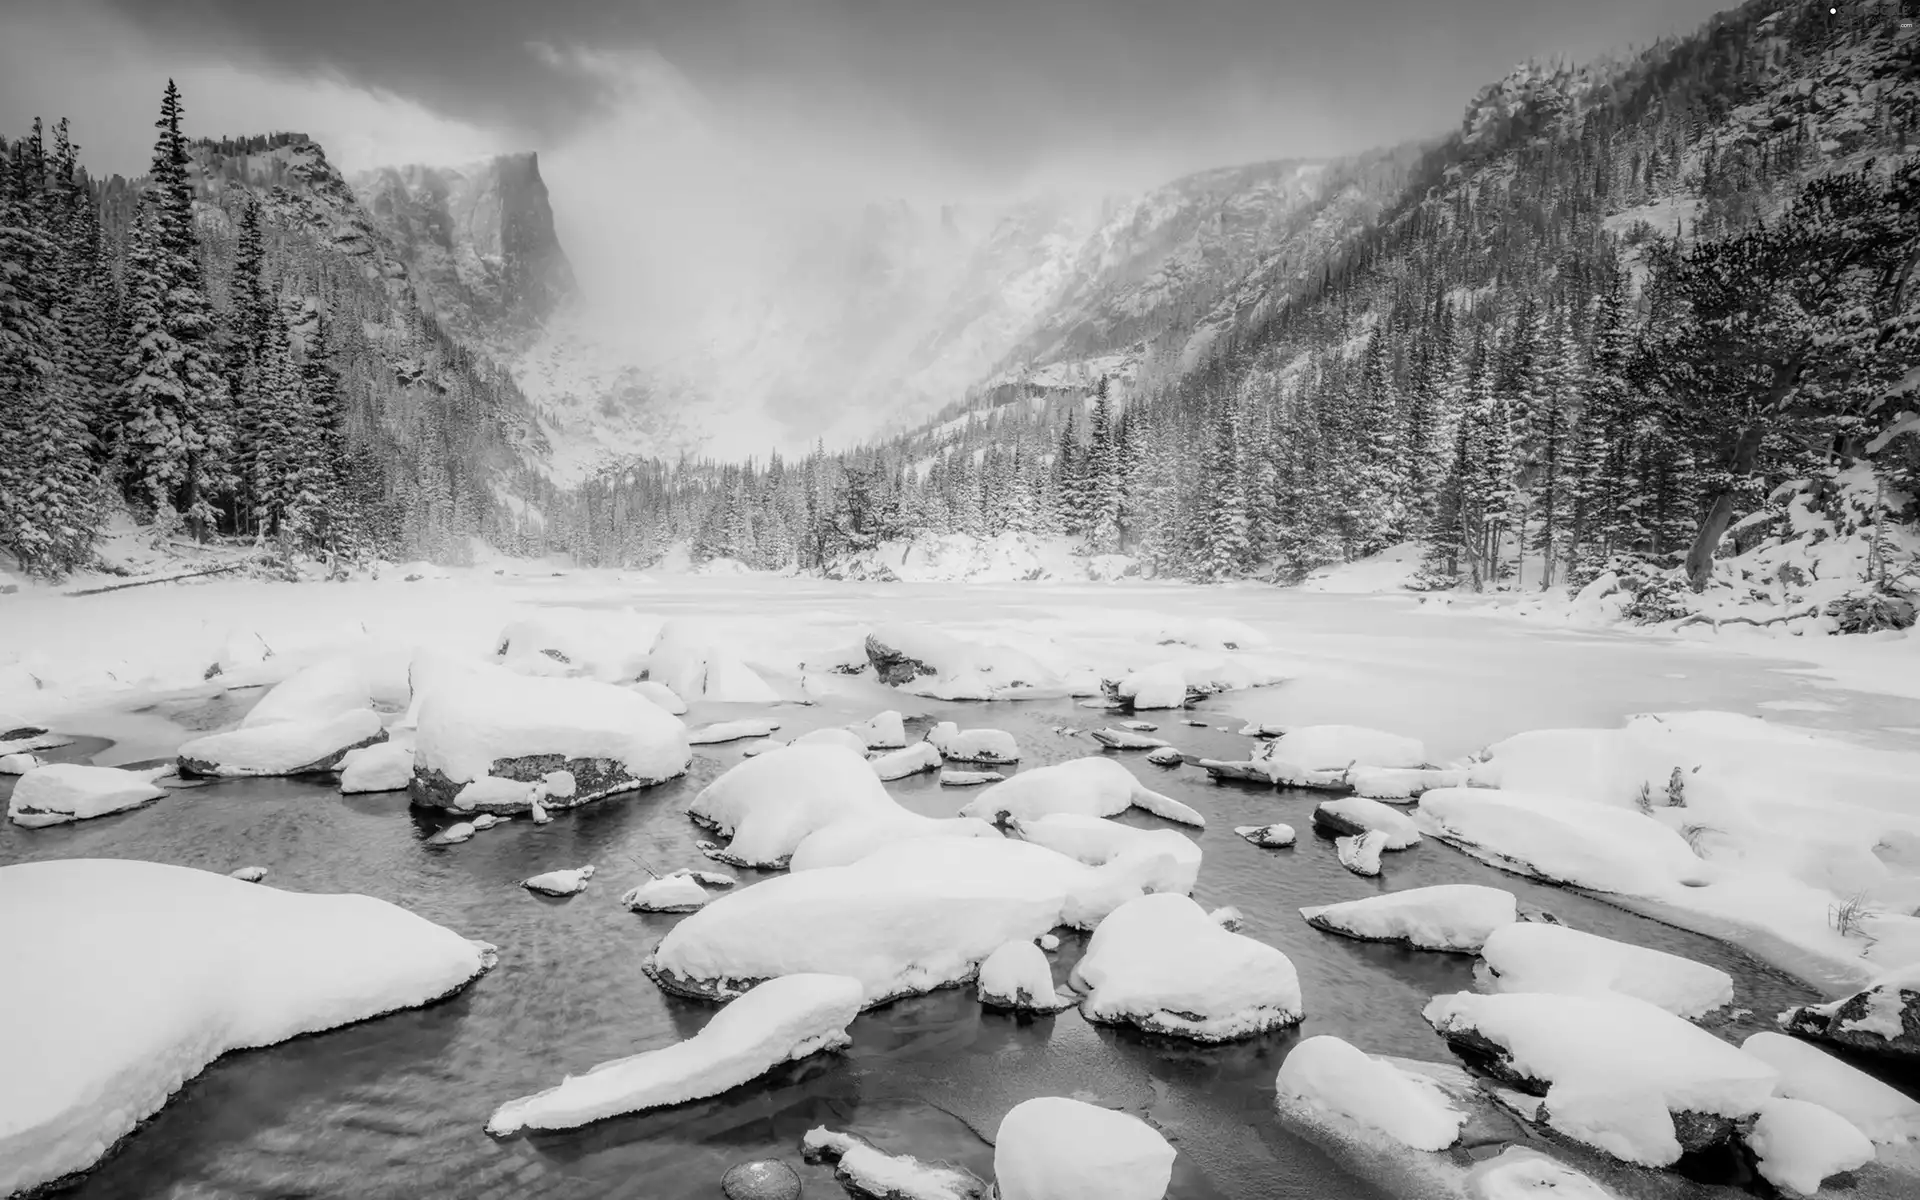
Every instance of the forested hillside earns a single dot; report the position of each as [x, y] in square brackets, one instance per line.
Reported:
[230, 347]
[1623, 310]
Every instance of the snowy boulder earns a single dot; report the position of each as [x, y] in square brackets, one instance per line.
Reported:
[220, 965]
[1162, 964]
[1882, 1019]
[1336, 1078]
[1127, 739]
[560, 883]
[832, 737]
[453, 835]
[290, 747]
[866, 1171]
[1402, 784]
[1532, 956]
[1455, 917]
[721, 732]
[1799, 1144]
[1615, 1072]
[1017, 977]
[912, 760]
[382, 767]
[1361, 854]
[909, 917]
[1809, 1073]
[1093, 787]
[1522, 1173]
[1270, 837]
[606, 738]
[1351, 816]
[1163, 685]
[660, 695]
[248, 874]
[326, 689]
[606, 645]
[781, 1020]
[491, 794]
[1166, 756]
[1561, 841]
[62, 792]
[967, 778]
[1054, 1148]
[904, 654]
[676, 893]
[853, 838]
[19, 763]
[767, 805]
[1340, 748]
[882, 731]
[1097, 841]
[994, 747]
[697, 665]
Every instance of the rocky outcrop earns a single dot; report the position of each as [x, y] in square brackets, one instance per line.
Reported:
[1883, 1019]
[892, 666]
[594, 779]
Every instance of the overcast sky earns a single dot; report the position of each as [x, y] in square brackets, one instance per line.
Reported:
[882, 96]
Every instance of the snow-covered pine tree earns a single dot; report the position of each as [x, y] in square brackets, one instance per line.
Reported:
[1100, 478]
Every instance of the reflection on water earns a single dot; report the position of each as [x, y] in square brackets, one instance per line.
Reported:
[395, 1107]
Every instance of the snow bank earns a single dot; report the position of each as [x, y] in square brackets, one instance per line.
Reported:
[913, 760]
[62, 792]
[1361, 854]
[779, 1021]
[324, 690]
[1017, 976]
[1614, 1069]
[1053, 1148]
[1457, 917]
[1355, 815]
[882, 731]
[19, 763]
[695, 662]
[1161, 963]
[1533, 956]
[1270, 836]
[909, 917]
[1335, 1077]
[1402, 783]
[295, 746]
[907, 654]
[1339, 747]
[1163, 685]
[1208, 633]
[560, 883]
[214, 965]
[497, 723]
[611, 646]
[768, 804]
[382, 767]
[1097, 841]
[1562, 841]
[1800, 1143]
[994, 747]
[1093, 787]
[661, 695]
[866, 1171]
[1809, 1073]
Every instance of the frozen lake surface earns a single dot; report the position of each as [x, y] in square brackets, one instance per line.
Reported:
[395, 1107]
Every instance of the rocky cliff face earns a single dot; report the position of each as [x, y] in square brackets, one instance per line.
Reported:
[479, 243]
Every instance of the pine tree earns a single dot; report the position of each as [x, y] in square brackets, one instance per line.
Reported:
[1100, 478]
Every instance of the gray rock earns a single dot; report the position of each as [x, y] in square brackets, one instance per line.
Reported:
[763, 1179]
[1879, 1020]
[893, 666]
[594, 779]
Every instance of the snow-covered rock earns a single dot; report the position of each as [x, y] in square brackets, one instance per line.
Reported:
[661, 695]
[779, 1021]
[1561, 841]
[674, 893]
[19, 763]
[1271, 837]
[295, 746]
[906, 654]
[326, 689]
[490, 794]
[1522, 1173]
[496, 723]
[1351, 816]
[62, 792]
[832, 737]
[1457, 917]
[1161, 963]
[1166, 756]
[1882, 1019]
[1054, 1148]
[1799, 1143]
[967, 778]
[882, 731]
[721, 732]
[453, 834]
[1884, 1114]
[381, 767]
[698, 665]
[912, 760]
[560, 883]
[217, 964]
[994, 747]
[1335, 1077]
[1097, 841]
[488, 820]
[1532, 956]
[909, 917]
[1017, 976]
[1127, 739]
[609, 645]
[1361, 854]
[1339, 748]
[1093, 787]
[248, 874]
[1163, 685]
[866, 1171]
[1209, 633]
[1402, 784]
[1616, 1072]
[768, 804]
[852, 838]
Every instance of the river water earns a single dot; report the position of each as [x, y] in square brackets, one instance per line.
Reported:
[394, 1107]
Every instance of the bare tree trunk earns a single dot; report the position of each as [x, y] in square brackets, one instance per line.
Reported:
[1719, 513]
